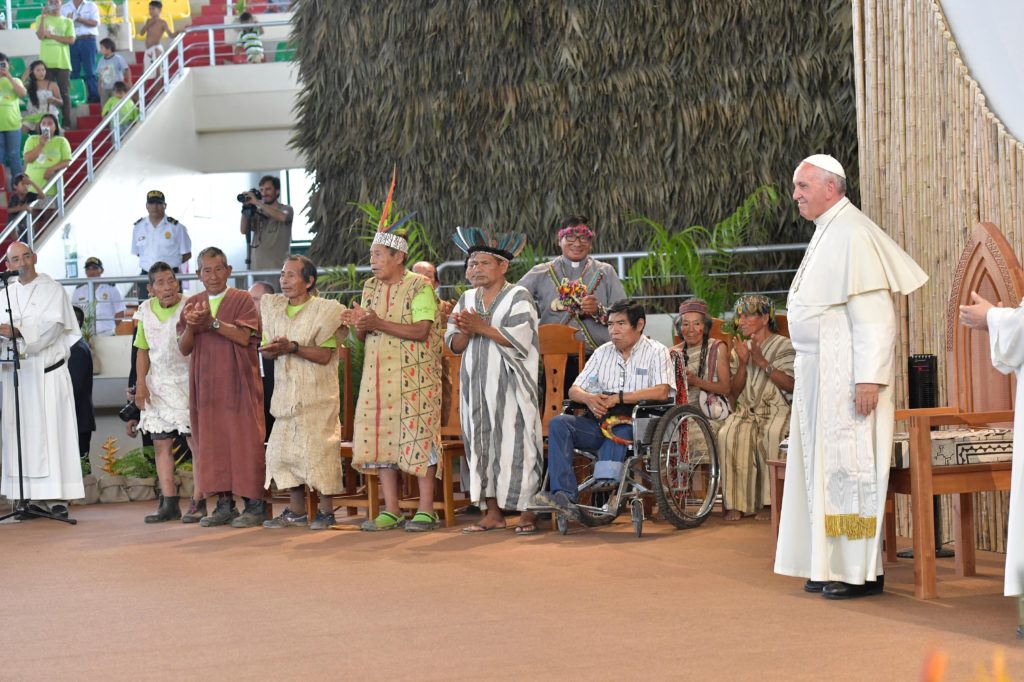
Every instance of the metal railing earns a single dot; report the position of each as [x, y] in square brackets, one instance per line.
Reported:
[109, 136]
[246, 278]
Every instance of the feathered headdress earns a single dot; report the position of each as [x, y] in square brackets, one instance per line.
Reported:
[505, 245]
[756, 304]
[390, 235]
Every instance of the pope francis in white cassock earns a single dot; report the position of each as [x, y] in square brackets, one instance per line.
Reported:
[1006, 337]
[46, 328]
[843, 326]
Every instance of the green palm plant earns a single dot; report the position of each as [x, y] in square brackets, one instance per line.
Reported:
[701, 255]
[420, 245]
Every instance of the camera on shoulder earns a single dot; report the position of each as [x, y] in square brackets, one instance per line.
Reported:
[249, 209]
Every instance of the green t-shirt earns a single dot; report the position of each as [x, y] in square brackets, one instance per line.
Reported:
[424, 305]
[162, 314]
[10, 112]
[57, 149]
[54, 54]
[129, 112]
[293, 310]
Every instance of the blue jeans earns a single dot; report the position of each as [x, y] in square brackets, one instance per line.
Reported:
[10, 151]
[566, 432]
[83, 59]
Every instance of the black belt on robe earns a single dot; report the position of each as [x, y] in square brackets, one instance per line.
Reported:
[54, 366]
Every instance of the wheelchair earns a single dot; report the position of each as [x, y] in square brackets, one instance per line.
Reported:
[672, 458]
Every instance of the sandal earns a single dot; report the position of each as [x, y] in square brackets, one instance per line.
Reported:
[481, 528]
[384, 521]
[528, 528]
[422, 522]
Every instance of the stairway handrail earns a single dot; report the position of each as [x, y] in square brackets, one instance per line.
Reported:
[113, 121]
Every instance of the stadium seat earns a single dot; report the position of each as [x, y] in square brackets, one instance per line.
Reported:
[78, 92]
[17, 67]
[284, 52]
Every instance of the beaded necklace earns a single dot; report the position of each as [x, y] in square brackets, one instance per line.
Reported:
[482, 309]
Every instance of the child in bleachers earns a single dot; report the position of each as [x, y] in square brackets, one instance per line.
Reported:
[43, 96]
[154, 30]
[23, 193]
[129, 112]
[250, 39]
[112, 68]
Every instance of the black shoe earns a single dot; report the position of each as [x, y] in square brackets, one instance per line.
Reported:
[839, 590]
[815, 585]
[223, 514]
[167, 511]
[254, 513]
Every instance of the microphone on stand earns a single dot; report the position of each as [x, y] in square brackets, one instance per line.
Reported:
[9, 274]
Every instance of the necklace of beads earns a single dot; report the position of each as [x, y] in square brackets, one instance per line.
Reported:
[483, 310]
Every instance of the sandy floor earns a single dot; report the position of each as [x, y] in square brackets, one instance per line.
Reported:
[113, 598]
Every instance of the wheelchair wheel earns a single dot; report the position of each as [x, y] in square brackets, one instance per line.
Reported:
[636, 511]
[683, 461]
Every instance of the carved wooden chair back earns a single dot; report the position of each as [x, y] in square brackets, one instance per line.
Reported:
[988, 266]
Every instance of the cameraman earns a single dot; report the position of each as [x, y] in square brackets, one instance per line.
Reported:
[271, 225]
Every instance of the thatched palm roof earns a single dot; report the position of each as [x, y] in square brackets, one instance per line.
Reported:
[514, 112]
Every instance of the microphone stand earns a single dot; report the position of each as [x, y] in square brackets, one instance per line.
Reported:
[22, 510]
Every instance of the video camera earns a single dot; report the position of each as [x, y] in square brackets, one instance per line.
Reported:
[249, 209]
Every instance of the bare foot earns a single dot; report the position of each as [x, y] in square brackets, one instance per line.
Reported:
[732, 515]
[764, 515]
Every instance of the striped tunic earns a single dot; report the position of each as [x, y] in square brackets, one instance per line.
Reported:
[498, 401]
[750, 436]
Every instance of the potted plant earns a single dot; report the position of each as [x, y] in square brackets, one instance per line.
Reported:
[139, 472]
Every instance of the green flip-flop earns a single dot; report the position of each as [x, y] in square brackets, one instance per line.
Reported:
[384, 521]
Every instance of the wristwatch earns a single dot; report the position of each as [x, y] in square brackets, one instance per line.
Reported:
[769, 369]
[295, 346]
[215, 325]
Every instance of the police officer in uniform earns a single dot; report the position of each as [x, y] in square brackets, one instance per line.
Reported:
[108, 306]
[159, 237]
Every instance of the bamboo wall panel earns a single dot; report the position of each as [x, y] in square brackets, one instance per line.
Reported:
[514, 113]
[934, 160]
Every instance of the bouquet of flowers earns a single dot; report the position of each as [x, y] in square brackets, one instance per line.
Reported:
[571, 294]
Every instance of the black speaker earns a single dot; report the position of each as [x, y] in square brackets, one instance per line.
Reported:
[922, 378]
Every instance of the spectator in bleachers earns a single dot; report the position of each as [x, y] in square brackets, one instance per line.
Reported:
[129, 112]
[11, 92]
[112, 68]
[85, 17]
[56, 36]
[154, 29]
[107, 306]
[43, 96]
[250, 39]
[23, 193]
[47, 153]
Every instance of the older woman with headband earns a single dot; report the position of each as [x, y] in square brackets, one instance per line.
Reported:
[762, 381]
[701, 364]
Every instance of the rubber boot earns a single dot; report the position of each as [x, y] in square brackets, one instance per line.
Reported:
[196, 511]
[167, 511]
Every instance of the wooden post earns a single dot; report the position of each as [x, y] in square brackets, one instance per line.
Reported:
[922, 519]
[963, 534]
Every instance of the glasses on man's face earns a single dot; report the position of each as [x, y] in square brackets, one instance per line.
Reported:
[577, 239]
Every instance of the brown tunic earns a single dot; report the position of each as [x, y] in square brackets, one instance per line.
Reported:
[226, 401]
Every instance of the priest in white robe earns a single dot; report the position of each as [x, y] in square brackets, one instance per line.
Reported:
[494, 328]
[843, 326]
[1006, 336]
[45, 328]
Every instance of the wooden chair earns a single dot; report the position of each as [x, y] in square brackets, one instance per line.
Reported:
[352, 499]
[977, 394]
[557, 342]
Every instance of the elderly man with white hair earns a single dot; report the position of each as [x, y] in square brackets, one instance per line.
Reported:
[843, 327]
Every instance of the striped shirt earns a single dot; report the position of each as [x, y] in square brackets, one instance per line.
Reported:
[649, 365]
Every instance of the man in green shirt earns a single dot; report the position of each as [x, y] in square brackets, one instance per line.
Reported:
[56, 35]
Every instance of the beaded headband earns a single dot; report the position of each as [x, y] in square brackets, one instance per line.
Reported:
[694, 305]
[576, 230]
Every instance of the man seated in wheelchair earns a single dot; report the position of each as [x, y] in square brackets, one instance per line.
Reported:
[629, 369]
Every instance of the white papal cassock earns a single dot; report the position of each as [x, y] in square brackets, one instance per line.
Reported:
[49, 431]
[843, 327]
[1006, 335]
